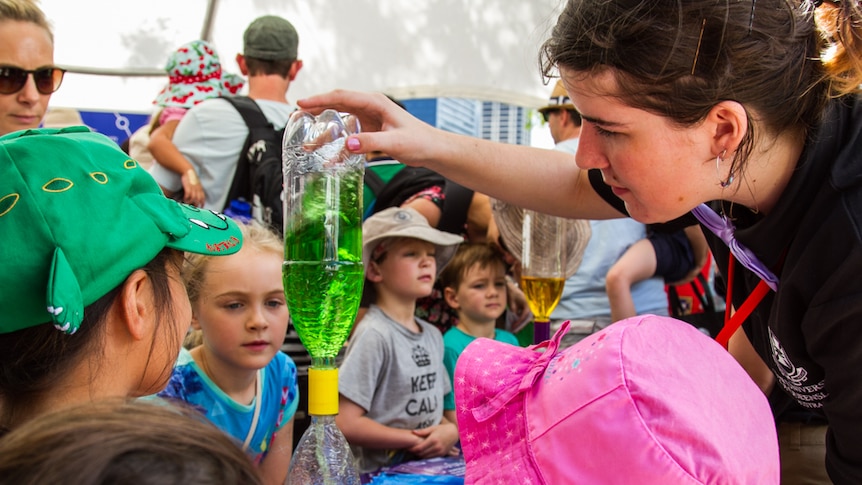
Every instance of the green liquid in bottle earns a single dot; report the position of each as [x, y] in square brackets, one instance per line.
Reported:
[323, 298]
[323, 278]
[323, 272]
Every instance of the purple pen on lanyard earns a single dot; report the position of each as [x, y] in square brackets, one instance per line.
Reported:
[723, 228]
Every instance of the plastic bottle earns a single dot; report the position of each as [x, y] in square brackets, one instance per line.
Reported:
[543, 267]
[323, 455]
[323, 276]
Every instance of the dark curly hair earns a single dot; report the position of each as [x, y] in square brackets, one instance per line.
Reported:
[678, 58]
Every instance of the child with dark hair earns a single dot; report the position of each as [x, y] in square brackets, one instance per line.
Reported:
[120, 441]
[93, 306]
[474, 285]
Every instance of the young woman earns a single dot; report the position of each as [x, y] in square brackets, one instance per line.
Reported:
[28, 75]
[749, 106]
[93, 306]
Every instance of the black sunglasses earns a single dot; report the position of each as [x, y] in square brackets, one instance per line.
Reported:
[47, 79]
[547, 114]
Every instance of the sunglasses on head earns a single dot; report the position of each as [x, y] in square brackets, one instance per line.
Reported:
[547, 114]
[47, 79]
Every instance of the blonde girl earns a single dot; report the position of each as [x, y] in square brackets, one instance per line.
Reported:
[238, 376]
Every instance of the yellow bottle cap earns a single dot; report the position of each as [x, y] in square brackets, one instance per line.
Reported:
[322, 391]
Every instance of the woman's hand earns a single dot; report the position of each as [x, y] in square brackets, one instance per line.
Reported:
[385, 127]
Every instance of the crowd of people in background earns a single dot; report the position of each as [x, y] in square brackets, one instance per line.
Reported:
[684, 131]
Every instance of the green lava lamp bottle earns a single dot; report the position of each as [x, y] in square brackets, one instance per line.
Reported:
[323, 276]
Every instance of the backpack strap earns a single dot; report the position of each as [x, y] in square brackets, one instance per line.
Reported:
[375, 184]
[249, 110]
[405, 183]
[411, 180]
[254, 120]
[373, 181]
[456, 205]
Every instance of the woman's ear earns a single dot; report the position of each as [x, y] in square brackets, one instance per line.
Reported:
[136, 306]
[728, 124]
[451, 297]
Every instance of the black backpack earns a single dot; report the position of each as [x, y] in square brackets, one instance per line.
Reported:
[258, 177]
[410, 180]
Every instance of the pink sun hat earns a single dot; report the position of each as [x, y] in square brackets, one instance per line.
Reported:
[195, 74]
[648, 400]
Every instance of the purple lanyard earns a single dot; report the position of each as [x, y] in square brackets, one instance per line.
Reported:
[723, 228]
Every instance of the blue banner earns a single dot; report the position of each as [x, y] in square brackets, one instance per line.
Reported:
[116, 126]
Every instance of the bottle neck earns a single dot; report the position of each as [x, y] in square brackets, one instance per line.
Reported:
[322, 419]
[323, 363]
[322, 391]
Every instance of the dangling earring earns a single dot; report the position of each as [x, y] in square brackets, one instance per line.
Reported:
[729, 180]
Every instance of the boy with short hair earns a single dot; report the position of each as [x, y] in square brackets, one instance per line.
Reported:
[392, 381]
[474, 285]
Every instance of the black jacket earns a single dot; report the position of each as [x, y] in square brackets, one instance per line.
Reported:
[810, 331]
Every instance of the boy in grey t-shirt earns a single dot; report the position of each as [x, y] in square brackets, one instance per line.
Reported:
[393, 380]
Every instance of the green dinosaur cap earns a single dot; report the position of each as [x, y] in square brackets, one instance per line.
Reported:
[77, 217]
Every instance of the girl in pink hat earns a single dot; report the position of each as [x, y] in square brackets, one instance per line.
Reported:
[195, 75]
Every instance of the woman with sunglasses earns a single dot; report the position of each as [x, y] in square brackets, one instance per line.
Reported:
[743, 116]
[27, 72]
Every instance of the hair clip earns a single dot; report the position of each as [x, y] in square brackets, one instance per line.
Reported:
[751, 17]
[697, 51]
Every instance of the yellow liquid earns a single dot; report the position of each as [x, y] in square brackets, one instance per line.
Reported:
[542, 294]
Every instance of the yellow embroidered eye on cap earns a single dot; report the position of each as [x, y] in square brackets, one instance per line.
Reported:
[78, 216]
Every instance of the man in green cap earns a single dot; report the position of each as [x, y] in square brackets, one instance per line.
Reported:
[213, 133]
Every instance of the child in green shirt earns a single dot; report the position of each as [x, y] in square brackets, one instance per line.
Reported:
[474, 285]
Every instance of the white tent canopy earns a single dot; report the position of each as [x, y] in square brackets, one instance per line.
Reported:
[481, 49]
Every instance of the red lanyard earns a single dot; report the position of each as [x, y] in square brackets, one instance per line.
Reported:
[732, 323]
